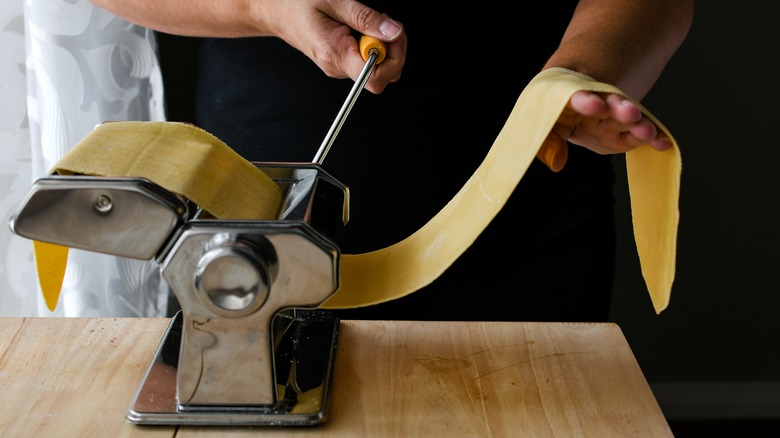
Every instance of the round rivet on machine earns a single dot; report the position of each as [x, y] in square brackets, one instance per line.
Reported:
[103, 205]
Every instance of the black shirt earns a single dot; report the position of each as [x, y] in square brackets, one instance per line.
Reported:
[405, 152]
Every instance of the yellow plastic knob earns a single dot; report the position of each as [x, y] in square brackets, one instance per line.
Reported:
[369, 43]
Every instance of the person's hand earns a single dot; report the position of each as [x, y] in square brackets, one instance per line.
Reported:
[606, 124]
[324, 30]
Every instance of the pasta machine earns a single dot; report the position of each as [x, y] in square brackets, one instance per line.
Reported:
[248, 346]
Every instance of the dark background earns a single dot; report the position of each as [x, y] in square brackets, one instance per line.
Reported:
[715, 352]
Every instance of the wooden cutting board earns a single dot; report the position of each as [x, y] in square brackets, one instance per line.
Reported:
[77, 377]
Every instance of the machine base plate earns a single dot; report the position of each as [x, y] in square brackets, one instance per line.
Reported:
[305, 348]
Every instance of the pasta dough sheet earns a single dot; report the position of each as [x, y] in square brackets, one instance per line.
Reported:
[193, 163]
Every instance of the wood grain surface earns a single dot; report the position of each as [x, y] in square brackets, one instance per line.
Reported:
[77, 377]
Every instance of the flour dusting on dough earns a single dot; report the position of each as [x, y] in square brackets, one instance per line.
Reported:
[485, 194]
[433, 247]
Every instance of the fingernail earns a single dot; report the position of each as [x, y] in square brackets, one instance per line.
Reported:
[662, 144]
[390, 28]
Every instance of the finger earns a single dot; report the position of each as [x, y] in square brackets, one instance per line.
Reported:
[661, 143]
[389, 70]
[390, 29]
[587, 103]
[623, 110]
[369, 21]
[644, 130]
[607, 136]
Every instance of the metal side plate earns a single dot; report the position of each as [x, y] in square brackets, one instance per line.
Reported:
[126, 217]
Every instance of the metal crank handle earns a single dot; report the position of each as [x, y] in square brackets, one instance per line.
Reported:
[373, 51]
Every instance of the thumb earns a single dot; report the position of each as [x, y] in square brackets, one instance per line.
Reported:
[370, 22]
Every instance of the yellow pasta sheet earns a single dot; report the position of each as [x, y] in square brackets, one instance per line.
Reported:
[193, 163]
